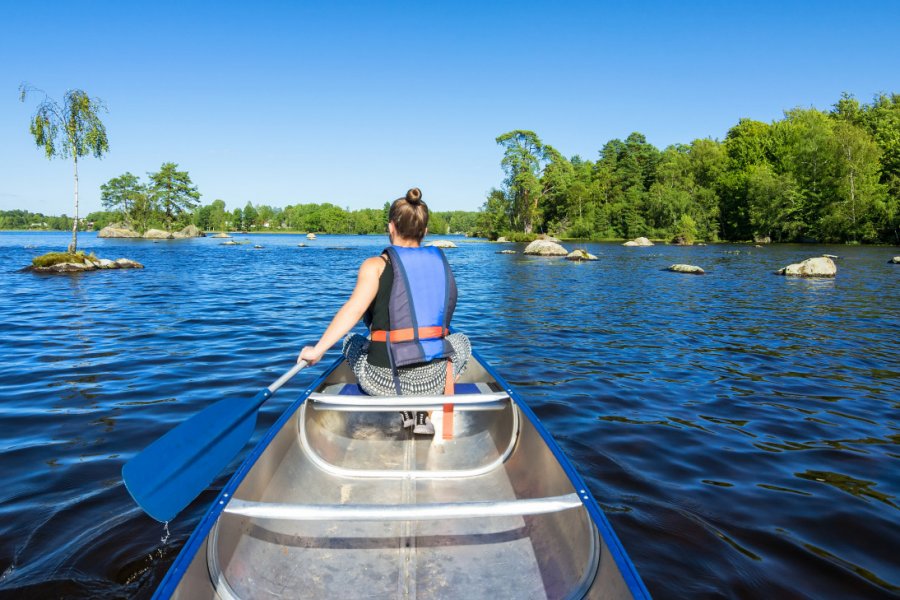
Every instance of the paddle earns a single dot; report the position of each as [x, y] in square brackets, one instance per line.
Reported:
[169, 473]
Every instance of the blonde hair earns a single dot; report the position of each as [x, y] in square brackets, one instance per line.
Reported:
[410, 215]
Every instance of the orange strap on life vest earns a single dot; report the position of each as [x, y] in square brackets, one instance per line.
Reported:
[448, 407]
[407, 335]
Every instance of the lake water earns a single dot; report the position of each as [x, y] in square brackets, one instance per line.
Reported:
[740, 429]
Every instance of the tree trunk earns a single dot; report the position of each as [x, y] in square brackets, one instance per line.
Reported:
[73, 245]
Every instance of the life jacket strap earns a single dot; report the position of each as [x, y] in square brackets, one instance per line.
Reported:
[409, 334]
[448, 406]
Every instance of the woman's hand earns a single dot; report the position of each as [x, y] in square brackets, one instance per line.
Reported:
[310, 355]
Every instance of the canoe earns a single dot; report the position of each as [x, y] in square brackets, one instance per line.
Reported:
[339, 501]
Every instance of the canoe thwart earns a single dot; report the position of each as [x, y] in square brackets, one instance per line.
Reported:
[489, 401]
[402, 512]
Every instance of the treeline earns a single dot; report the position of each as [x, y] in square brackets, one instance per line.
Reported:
[321, 218]
[23, 219]
[812, 176]
[170, 200]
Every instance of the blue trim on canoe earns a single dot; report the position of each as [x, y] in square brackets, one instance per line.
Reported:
[623, 561]
[183, 561]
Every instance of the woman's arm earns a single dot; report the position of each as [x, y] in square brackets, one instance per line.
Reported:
[350, 313]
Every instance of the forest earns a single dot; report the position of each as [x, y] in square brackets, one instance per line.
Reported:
[812, 176]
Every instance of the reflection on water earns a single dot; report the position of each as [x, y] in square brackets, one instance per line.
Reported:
[740, 429]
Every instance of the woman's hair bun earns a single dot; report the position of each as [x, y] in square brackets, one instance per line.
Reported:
[414, 196]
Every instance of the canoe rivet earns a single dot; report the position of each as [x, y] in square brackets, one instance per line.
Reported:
[221, 502]
[582, 491]
[226, 495]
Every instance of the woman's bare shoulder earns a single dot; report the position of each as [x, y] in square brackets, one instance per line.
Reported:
[373, 265]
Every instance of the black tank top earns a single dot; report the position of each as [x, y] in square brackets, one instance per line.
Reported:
[379, 316]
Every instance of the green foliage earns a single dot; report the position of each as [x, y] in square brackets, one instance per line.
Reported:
[71, 129]
[100, 219]
[123, 194]
[23, 219]
[518, 236]
[173, 192]
[813, 175]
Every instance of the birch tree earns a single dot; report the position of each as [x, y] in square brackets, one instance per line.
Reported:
[70, 129]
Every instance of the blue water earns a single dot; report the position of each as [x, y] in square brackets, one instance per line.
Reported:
[740, 429]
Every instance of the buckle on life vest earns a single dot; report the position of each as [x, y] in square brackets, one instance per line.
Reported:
[408, 335]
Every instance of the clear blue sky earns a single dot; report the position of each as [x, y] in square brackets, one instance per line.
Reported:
[352, 103]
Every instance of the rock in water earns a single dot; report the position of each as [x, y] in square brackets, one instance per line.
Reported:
[117, 230]
[507, 252]
[679, 268]
[579, 254]
[310, 236]
[222, 235]
[502, 240]
[895, 260]
[545, 248]
[125, 263]
[820, 266]
[641, 241]
[191, 231]
[157, 234]
[441, 244]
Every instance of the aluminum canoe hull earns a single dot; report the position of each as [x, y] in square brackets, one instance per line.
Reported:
[338, 500]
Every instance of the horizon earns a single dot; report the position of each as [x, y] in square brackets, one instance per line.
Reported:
[352, 104]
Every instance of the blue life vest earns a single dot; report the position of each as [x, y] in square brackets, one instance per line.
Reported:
[422, 301]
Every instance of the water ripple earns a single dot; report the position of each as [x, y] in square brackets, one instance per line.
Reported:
[740, 429]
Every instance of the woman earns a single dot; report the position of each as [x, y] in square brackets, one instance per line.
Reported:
[406, 296]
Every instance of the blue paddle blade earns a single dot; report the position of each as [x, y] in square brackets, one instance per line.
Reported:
[169, 473]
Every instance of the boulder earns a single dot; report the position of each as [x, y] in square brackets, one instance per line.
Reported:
[157, 234]
[310, 236]
[117, 230]
[105, 263]
[686, 269]
[502, 240]
[222, 235]
[124, 263]
[548, 238]
[299, 245]
[680, 240]
[506, 252]
[641, 241]
[895, 260]
[231, 243]
[579, 254]
[257, 246]
[191, 231]
[762, 239]
[820, 266]
[441, 244]
[545, 248]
